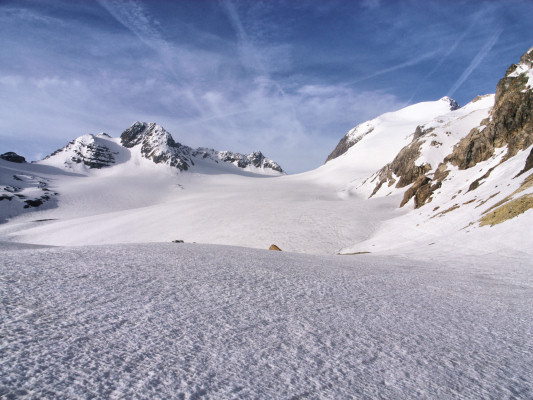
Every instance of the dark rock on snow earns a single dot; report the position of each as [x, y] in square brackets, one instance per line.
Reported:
[12, 157]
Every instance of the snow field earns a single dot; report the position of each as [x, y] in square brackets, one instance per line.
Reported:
[189, 321]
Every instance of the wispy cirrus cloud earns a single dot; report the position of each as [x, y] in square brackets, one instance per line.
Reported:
[287, 78]
[489, 44]
[417, 59]
[443, 58]
[133, 16]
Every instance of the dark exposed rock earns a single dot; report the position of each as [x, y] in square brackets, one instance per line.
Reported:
[157, 145]
[12, 157]
[345, 143]
[421, 190]
[134, 135]
[477, 183]
[36, 202]
[453, 104]
[511, 125]
[511, 122]
[420, 131]
[403, 166]
[256, 159]
[99, 157]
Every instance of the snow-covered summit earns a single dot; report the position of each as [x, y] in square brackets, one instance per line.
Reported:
[157, 144]
[409, 116]
[87, 151]
[152, 142]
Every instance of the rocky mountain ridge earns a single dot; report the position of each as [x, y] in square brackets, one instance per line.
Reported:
[156, 144]
[476, 159]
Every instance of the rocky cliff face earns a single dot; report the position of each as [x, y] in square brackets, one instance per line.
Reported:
[255, 159]
[157, 145]
[511, 121]
[509, 127]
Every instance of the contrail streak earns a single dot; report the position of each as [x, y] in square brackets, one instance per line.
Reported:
[394, 68]
[475, 62]
[445, 57]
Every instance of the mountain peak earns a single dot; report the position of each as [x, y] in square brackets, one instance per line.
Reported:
[453, 104]
[157, 145]
[412, 115]
[92, 151]
[140, 131]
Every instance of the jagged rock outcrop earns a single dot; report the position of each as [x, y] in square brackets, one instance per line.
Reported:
[157, 145]
[87, 150]
[403, 170]
[255, 159]
[511, 122]
[154, 143]
[529, 163]
[12, 157]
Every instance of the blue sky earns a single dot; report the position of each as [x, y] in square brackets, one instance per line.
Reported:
[288, 78]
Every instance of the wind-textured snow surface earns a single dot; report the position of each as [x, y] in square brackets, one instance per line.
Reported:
[193, 321]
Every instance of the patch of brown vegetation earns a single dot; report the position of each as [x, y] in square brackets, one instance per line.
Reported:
[481, 202]
[454, 207]
[508, 210]
[528, 182]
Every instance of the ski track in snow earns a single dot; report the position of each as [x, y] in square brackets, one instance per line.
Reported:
[203, 321]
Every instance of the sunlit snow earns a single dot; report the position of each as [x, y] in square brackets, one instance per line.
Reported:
[190, 321]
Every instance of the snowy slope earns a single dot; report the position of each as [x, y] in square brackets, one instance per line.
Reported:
[466, 177]
[150, 203]
[25, 187]
[189, 321]
[376, 142]
[325, 211]
[425, 180]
